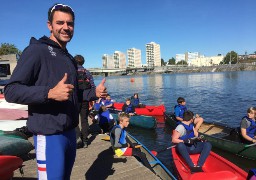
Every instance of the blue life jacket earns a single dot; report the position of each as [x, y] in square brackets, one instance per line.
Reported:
[129, 109]
[107, 102]
[189, 131]
[251, 130]
[122, 139]
[104, 117]
[96, 106]
[135, 102]
[181, 108]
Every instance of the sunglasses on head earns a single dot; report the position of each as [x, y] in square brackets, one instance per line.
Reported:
[59, 6]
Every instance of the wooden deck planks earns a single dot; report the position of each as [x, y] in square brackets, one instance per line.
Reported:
[97, 162]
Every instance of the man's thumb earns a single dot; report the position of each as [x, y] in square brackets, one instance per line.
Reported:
[103, 81]
[64, 79]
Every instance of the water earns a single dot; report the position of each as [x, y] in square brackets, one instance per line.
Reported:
[216, 96]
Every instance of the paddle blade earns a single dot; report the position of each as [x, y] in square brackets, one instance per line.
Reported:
[107, 138]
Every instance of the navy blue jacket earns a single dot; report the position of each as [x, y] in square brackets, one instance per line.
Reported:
[41, 66]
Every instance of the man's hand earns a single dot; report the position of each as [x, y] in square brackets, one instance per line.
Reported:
[61, 91]
[101, 90]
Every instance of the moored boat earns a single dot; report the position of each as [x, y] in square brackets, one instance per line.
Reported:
[215, 167]
[8, 164]
[14, 134]
[147, 122]
[10, 125]
[221, 137]
[147, 110]
[156, 164]
[14, 146]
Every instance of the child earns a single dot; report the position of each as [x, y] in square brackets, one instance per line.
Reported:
[121, 145]
[106, 120]
[181, 108]
[108, 102]
[183, 136]
[128, 107]
[248, 126]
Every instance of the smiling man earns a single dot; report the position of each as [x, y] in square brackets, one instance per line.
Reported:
[45, 79]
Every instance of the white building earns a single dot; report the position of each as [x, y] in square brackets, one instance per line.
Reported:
[153, 54]
[179, 57]
[119, 59]
[134, 57]
[188, 57]
[207, 61]
[108, 61]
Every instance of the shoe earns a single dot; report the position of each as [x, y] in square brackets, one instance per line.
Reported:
[196, 169]
[79, 144]
[85, 143]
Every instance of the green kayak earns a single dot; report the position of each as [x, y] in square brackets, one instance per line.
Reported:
[147, 122]
[14, 134]
[14, 146]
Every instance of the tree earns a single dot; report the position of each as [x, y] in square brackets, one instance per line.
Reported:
[162, 62]
[171, 61]
[7, 48]
[182, 62]
[231, 57]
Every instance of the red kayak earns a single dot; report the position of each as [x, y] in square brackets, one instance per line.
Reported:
[1, 96]
[215, 167]
[8, 164]
[147, 110]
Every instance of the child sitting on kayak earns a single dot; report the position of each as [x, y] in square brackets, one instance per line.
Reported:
[181, 108]
[136, 101]
[248, 126]
[121, 144]
[184, 136]
[128, 107]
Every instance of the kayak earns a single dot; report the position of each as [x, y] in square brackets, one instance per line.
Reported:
[146, 122]
[14, 146]
[147, 110]
[221, 137]
[6, 105]
[215, 167]
[8, 164]
[14, 134]
[10, 125]
[12, 114]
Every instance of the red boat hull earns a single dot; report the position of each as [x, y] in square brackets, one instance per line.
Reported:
[215, 167]
[8, 164]
[147, 110]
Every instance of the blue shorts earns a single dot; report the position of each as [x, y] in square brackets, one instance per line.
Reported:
[55, 155]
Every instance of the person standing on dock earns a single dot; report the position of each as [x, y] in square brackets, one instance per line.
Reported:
[45, 79]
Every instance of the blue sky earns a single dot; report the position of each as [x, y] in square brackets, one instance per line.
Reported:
[210, 27]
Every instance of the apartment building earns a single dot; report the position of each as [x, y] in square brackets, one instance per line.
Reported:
[207, 61]
[119, 59]
[134, 57]
[108, 61]
[153, 54]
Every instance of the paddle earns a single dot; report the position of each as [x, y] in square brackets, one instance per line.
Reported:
[249, 145]
[107, 138]
[155, 153]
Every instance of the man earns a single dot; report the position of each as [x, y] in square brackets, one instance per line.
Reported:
[45, 79]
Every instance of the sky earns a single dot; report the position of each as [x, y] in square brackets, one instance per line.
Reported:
[210, 27]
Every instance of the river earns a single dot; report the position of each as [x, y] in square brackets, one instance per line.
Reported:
[217, 96]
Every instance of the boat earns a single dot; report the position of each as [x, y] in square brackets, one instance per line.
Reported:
[14, 146]
[147, 110]
[13, 114]
[8, 164]
[14, 134]
[4, 104]
[157, 165]
[147, 122]
[215, 167]
[11, 125]
[222, 137]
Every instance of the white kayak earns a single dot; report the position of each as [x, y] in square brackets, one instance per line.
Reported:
[10, 125]
[5, 104]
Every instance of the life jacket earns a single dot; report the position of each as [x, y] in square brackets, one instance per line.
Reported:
[182, 110]
[96, 106]
[135, 102]
[104, 117]
[189, 131]
[107, 102]
[128, 109]
[83, 80]
[122, 139]
[251, 130]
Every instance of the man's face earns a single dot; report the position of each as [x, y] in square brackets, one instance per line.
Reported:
[62, 28]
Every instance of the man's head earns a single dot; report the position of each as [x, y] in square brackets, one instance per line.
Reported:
[188, 115]
[181, 100]
[79, 59]
[124, 119]
[61, 19]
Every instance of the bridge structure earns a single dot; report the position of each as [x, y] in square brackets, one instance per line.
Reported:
[122, 71]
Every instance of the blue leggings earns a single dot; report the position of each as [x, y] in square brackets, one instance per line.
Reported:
[202, 148]
[55, 155]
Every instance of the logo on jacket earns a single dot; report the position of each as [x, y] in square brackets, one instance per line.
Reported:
[51, 51]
